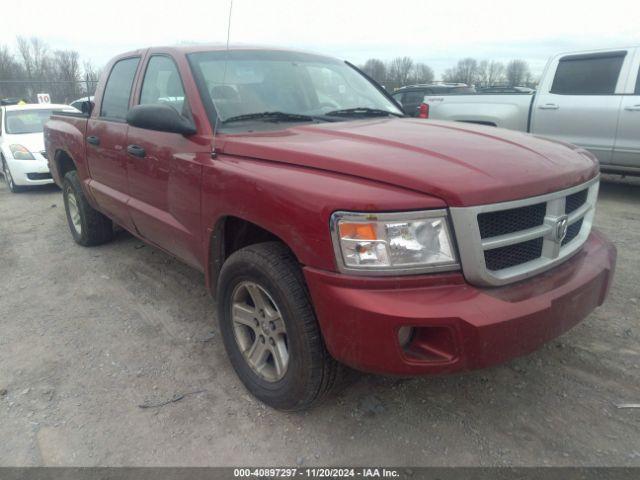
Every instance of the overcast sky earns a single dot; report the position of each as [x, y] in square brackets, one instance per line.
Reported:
[435, 32]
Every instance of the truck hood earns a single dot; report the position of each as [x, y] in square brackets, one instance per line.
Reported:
[463, 164]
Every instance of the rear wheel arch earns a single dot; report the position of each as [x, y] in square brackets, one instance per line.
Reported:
[64, 163]
[230, 234]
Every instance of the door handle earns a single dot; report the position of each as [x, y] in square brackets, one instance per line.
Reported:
[93, 140]
[136, 151]
[549, 106]
[633, 108]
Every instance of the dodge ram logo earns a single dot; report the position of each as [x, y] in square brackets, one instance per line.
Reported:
[562, 224]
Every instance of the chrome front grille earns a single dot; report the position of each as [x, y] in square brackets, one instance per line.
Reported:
[506, 242]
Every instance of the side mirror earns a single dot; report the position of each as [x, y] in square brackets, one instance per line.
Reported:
[161, 118]
[86, 107]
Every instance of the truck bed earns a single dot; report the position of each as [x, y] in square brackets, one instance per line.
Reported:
[510, 110]
[65, 132]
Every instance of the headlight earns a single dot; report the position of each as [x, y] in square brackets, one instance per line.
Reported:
[392, 243]
[20, 153]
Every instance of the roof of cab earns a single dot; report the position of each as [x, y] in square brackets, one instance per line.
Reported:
[195, 48]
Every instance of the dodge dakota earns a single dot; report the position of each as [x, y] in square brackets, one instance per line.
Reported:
[331, 229]
[590, 99]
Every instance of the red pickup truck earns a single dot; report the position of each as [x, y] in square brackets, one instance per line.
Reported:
[332, 229]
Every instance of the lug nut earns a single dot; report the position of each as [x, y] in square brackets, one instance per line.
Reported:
[261, 338]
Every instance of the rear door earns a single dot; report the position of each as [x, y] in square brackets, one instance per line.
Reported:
[106, 138]
[627, 148]
[579, 100]
[163, 169]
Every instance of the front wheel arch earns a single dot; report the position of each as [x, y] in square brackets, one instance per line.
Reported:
[230, 234]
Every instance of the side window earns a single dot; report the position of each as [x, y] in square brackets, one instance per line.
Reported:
[637, 91]
[115, 101]
[397, 97]
[588, 74]
[162, 84]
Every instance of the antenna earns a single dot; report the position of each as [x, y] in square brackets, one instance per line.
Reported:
[224, 78]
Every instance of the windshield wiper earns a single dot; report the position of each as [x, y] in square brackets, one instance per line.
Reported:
[362, 112]
[272, 117]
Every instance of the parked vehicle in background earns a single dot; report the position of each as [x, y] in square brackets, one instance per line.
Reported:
[412, 96]
[11, 101]
[332, 228]
[22, 153]
[504, 89]
[590, 99]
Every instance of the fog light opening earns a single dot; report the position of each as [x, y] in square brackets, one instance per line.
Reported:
[405, 334]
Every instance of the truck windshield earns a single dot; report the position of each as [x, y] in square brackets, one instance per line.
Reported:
[252, 85]
[27, 121]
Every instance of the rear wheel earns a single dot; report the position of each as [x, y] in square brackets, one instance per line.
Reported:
[269, 328]
[9, 179]
[88, 226]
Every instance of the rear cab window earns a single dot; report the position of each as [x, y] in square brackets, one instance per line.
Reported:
[637, 90]
[117, 92]
[591, 74]
[414, 97]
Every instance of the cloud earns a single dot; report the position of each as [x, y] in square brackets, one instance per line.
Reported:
[435, 32]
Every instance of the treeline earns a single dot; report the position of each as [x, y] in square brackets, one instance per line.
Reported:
[398, 72]
[403, 71]
[32, 67]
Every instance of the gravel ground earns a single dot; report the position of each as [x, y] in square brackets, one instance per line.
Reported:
[89, 335]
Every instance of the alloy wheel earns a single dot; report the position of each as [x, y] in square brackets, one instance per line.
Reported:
[74, 211]
[260, 331]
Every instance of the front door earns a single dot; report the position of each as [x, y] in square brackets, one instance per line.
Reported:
[164, 171]
[106, 138]
[580, 106]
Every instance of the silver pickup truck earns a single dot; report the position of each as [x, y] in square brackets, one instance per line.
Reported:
[590, 99]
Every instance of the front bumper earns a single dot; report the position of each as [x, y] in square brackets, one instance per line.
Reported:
[30, 172]
[458, 326]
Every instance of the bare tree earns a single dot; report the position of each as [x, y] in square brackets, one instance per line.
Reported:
[10, 72]
[34, 53]
[91, 77]
[400, 70]
[376, 69]
[422, 73]
[465, 71]
[42, 71]
[65, 69]
[518, 72]
[496, 73]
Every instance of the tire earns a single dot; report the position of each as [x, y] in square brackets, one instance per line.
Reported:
[311, 372]
[9, 178]
[88, 226]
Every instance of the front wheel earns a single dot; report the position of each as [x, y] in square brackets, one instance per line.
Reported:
[9, 178]
[269, 328]
[88, 226]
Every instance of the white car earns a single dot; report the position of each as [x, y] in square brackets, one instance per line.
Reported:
[24, 161]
